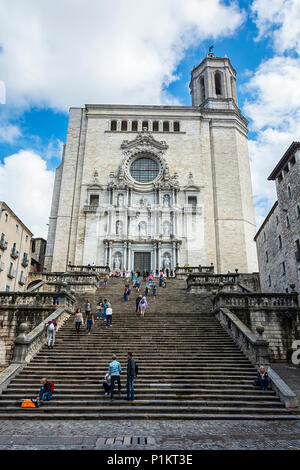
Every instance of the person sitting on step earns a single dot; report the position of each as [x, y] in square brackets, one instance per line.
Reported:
[45, 392]
[263, 379]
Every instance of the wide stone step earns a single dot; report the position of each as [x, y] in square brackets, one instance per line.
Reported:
[132, 408]
[92, 404]
[158, 416]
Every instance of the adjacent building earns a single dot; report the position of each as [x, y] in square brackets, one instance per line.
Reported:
[149, 187]
[15, 246]
[38, 250]
[278, 239]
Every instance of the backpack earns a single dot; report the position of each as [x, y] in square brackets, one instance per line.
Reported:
[52, 386]
[136, 369]
[28, 404]
[51, 327]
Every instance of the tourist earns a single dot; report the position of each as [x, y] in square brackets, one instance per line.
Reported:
[138, 284]
[146, 290]
[125, 293]
[137, 301]
[107, 384]
[108, 315]
[143, 305]
[89, 321]
[104, 304]
[88, 306]
[164, 283]
[130, 377]
[99, 307]
[154, 290]
[171, 273]
[161, 275]
[51, 330]
[263, 379]
[167, 272]
[78, 319]
[46, 391]
[105, 281]
[115, 370]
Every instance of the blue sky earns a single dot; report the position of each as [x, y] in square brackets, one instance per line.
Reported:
[130, 53]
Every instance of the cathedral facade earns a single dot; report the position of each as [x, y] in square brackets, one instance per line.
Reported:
[151, 187]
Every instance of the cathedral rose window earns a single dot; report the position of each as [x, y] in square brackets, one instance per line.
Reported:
[144, 170]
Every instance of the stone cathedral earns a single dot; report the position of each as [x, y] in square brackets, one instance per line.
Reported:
[151, 187]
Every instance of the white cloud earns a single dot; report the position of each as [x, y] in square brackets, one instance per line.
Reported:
[279, 19]
[26, 186]
[273, 103]
[69, 53]
[9, 133]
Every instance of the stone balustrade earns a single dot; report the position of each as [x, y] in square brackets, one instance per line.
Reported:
[258, 300]
[26, 345]
[36, 299]
[89, 269]
[257, 351]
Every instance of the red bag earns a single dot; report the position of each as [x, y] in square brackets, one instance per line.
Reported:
[52, 386]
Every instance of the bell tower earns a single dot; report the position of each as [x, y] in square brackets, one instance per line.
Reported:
[213, 83]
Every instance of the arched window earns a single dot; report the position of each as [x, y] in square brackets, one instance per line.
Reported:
[145, 125]
[113, 125]
[155, 126]
[124, 126]
[176, 126]
[202, 88]
[134, 126]
[166, 126]
[218, 83]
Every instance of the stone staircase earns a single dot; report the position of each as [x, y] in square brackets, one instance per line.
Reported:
[189, 368]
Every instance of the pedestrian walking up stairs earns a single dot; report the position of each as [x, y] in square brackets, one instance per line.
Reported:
[189, 368]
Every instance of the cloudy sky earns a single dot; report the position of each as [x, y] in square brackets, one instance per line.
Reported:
[64, 53]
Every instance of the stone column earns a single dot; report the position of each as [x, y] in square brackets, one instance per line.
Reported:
[106, 254]
[159, 255]
[154, 256]
[110, 255]
[174, 255]
[125, 256]
[129, 256]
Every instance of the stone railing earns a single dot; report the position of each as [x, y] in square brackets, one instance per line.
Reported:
[255, 300]
[27, 345]
[76, 281]
[212, 282]
[194, 269]
[36, 299]
[256, 349]
[89, 269]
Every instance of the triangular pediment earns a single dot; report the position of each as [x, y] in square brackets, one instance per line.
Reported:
[146, 140]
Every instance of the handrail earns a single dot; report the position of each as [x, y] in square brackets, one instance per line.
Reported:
[257, 351]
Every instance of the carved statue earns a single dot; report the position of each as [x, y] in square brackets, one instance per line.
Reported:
[117, 262]
[166, 261]
[120, 200]
[118, 227]
[166, 200]
[142, 229]
[166, 228]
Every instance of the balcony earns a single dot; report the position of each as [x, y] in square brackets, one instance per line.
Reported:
[25, 262]
[3, 244]
[11, 273]
[22, 280]
[14, 254]
[90, 209]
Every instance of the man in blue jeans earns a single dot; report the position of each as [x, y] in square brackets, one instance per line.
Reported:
[114, 370]
[130, 377]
